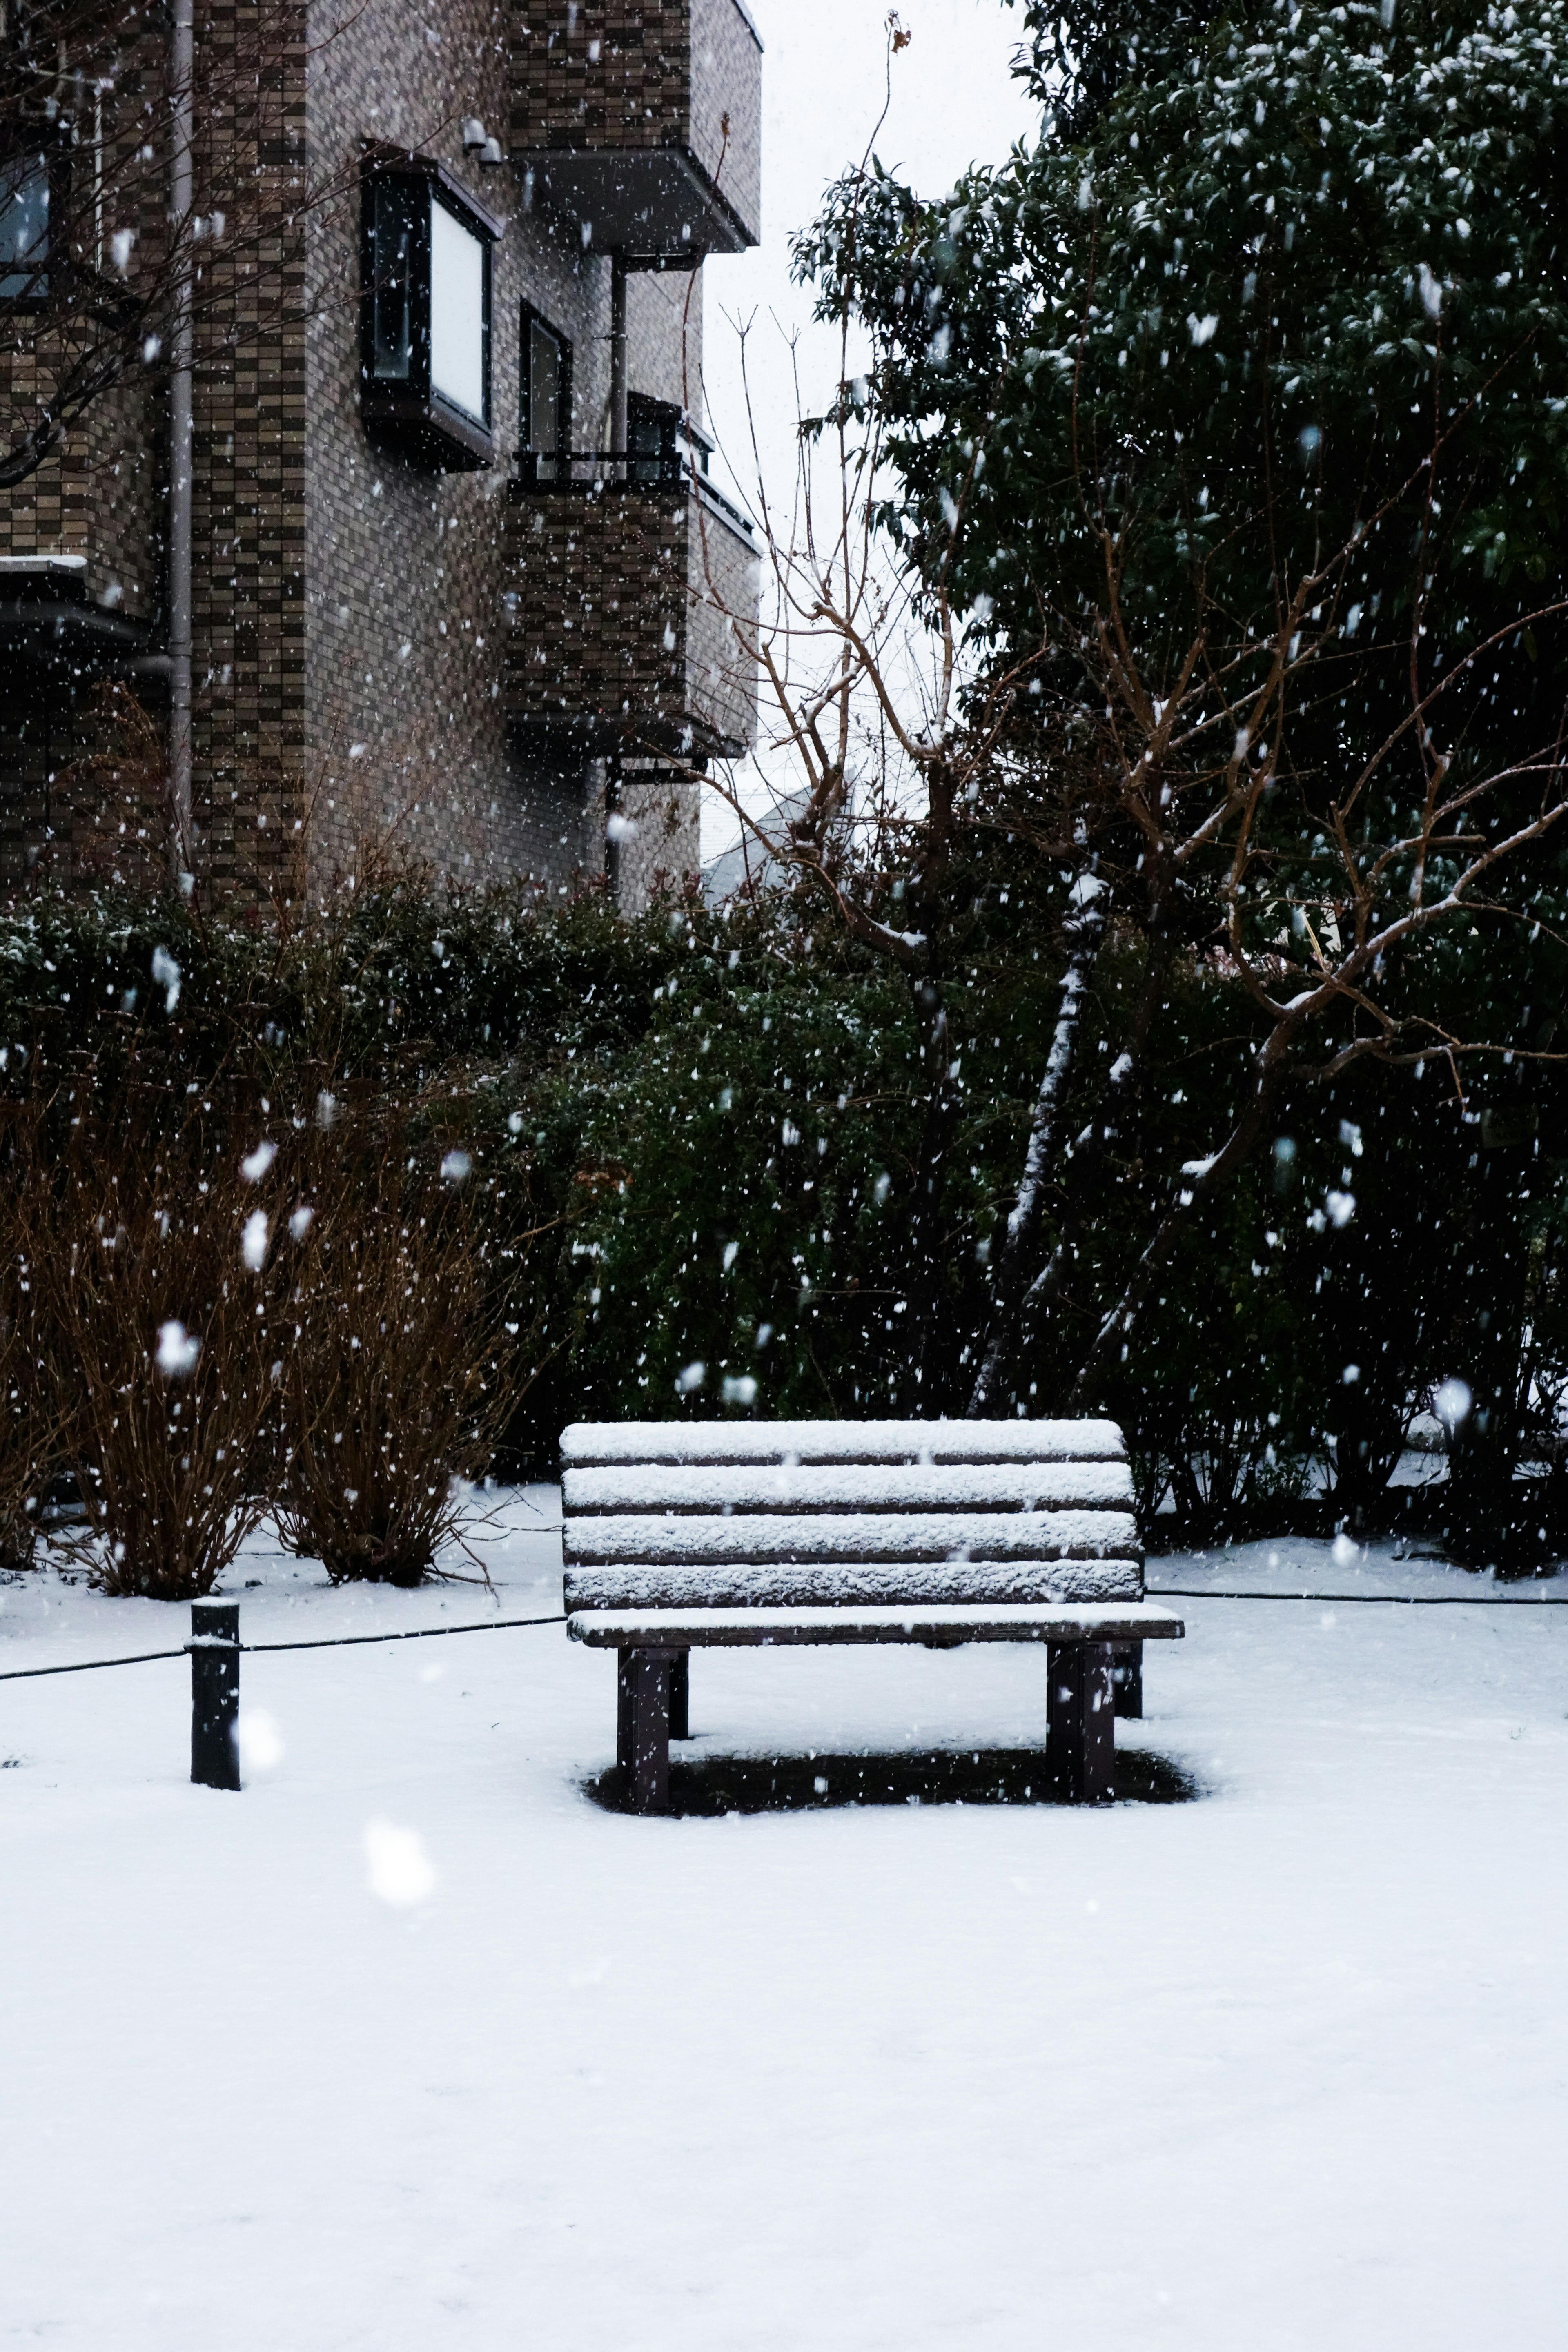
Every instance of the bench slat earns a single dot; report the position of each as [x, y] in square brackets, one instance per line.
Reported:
[589, 1443]
[673, 1629]
[914, 1489]
[960, 1581]
[755, 1542]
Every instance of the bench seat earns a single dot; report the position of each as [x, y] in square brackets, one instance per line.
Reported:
[682, 1535]
[944, 1626]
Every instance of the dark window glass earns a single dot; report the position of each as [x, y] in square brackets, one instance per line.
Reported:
[653, 436]
[392, 254]
[546, 424]
[25, 229]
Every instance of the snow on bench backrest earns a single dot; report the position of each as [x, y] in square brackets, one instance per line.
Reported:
[771, 1514]
[594, 1443]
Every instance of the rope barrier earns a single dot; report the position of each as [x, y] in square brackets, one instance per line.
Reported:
[86, 1665]
[506, 1624]
[1357, 1600]
[329, 1642]
[415, 1633]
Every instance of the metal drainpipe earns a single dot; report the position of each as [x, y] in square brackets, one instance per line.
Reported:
[181, 191]
[617, 354]
[617, 449]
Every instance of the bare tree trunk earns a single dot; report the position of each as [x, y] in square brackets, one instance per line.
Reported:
[1021, 1241]
[1086, 1157]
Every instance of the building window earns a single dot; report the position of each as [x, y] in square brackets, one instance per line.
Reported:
[425, 362]
[546, 395]
[663, 444]
[459, 314]
[395, 207]
[25, 229]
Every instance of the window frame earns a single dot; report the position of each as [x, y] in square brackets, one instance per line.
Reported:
[409, 412]
[530, 318]
[42, 153]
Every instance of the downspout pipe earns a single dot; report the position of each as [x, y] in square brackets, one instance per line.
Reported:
[619, 472]
[181, 198]
[617, 354]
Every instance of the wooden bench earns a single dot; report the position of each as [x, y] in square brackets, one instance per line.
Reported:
[682, 1534]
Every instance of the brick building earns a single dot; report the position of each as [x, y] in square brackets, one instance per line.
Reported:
[443, 568]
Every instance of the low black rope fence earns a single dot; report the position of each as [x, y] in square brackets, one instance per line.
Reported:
[214, 1650]
[1360, 1599]
[87, 1665]
[322, 1641]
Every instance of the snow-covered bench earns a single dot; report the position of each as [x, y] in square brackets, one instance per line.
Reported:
[680, 1534]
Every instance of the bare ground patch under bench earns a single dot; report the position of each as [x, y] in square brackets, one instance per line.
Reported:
[710, 1786]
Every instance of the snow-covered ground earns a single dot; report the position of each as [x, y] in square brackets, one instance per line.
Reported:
[1281, 2067]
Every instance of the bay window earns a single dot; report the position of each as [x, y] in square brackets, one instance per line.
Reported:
[424, 342]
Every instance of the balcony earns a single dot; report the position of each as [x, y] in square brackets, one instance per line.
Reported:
[49, 622]
[642, 120]
[627, 575]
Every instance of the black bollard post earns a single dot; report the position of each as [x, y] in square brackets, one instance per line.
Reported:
[214, 1646]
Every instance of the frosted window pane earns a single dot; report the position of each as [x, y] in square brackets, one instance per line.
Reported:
[457, 313]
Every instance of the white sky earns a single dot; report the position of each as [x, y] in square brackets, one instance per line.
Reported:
[954, 102]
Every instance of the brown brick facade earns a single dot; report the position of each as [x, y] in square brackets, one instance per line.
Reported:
[622, 629]
[350, 617]
[634, 74]
[613, 73]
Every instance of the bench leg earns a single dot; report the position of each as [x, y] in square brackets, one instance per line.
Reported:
[642, 1728]
[1080, 1751]
[680, 1694]
[1127, 1679]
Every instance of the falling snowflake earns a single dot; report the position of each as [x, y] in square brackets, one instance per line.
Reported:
[397, 1866]
[166, 972]
[177, 1350]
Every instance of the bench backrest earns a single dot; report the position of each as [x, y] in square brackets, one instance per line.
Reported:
[775, 1514]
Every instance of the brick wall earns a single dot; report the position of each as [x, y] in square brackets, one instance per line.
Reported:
[726, 108]
[248, 638]
[349, 620]
[721, 583]
[103, 493]
[609, 73]
[661, 810]
[597, 640]
[623, 631]
[630, 75]
[407, 569]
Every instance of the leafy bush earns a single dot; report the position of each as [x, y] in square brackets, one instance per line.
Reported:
[699, 1136]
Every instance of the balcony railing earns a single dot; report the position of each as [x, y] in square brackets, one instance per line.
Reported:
[633, 593]
[641, 118]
